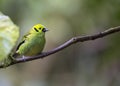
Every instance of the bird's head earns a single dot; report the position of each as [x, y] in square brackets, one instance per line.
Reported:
[38, 28]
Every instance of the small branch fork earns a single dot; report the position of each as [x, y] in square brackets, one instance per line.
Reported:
[66, 44]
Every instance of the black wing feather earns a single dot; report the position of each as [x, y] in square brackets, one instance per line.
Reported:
[20, 44]
[23, 41]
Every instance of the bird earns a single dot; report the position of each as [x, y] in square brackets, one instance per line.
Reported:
[33, 42]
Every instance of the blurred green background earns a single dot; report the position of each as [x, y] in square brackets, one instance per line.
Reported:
[92, 63]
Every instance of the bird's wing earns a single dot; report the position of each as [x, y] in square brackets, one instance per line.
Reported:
[23, 41]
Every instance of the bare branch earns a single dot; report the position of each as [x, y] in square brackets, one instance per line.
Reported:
[66, 44]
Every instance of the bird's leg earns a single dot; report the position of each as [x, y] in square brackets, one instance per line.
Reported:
[23, 58]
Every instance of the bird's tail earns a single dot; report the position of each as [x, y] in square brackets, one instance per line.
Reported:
[15, 55]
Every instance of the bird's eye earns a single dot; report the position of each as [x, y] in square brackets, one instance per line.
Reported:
[44, 30]
[39, 28]
[36, 29]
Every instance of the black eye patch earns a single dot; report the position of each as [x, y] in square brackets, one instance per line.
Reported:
[36, 30]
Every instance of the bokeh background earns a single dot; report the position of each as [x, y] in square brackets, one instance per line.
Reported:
[92, 63]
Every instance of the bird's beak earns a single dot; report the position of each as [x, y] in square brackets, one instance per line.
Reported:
[45, 30]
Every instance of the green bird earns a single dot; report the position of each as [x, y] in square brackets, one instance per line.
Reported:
[33, 42]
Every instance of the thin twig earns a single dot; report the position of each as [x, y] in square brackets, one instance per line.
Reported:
[66, 44]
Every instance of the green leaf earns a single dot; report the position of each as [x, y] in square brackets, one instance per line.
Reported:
[9, 34]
